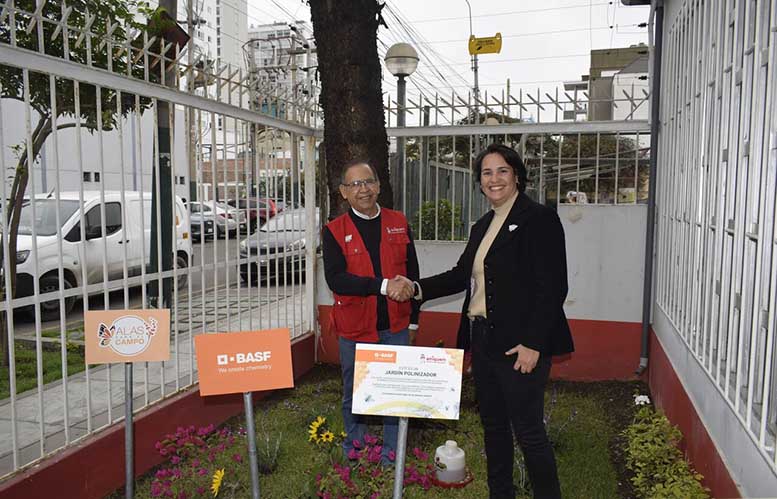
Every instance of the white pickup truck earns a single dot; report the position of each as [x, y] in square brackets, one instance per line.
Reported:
[124, 231]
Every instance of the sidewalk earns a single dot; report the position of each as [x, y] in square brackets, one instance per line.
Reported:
[105, 385]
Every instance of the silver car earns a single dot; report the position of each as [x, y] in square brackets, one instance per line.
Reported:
[278, 247]
[225, 223]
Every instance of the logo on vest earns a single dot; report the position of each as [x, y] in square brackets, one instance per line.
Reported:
[395, 230]
[348, 238]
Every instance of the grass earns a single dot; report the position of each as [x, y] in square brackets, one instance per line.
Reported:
[585, 419]
[55, 333]
[26, 368]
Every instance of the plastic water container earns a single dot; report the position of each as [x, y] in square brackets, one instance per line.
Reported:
[449, 461]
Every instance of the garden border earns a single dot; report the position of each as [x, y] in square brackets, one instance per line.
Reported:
[95, 467]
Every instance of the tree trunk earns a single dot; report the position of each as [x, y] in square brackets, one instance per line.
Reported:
[18, 188]
[346, 43]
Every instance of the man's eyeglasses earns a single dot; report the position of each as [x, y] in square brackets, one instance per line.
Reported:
[367, 182]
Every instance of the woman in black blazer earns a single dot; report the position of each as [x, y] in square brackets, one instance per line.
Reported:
[515, 273]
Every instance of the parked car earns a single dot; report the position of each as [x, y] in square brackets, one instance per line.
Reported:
[202, 226]
[82, 258]
[278, 247]
[234, 213]
[224, 221]
[258, 210]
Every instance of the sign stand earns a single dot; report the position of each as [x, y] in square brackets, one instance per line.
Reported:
[399, 462]
[115, 337]
[129, 441]
[253, 462]
[245, 362]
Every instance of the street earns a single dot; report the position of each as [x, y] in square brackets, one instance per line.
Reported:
[224, 291]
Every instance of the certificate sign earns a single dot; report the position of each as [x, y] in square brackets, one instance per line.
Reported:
[412, 382]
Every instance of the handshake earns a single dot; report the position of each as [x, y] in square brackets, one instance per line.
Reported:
[400, 288]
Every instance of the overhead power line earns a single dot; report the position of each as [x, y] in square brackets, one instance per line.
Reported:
[510, 13]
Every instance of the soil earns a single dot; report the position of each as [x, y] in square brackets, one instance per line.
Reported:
[620, 414]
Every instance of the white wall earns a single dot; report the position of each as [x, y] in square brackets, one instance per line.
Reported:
[605, 258]
[135, 167]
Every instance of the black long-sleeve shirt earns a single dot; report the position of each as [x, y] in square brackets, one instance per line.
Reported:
[344, 283]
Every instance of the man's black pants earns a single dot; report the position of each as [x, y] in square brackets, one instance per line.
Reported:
[512, 403]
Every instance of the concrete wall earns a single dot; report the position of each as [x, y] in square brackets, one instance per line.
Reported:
[605, 260]
[605, 257]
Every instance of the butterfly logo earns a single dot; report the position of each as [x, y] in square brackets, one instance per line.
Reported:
[106, 334]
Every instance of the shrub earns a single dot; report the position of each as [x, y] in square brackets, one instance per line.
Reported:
[659, 467]
[443, 221]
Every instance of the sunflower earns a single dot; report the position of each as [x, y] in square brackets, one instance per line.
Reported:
[313, 429]
[218, 476]
[327, 436]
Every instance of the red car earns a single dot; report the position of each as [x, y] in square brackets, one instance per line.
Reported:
[258, 210]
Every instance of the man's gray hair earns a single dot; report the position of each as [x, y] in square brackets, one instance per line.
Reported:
[355, 162]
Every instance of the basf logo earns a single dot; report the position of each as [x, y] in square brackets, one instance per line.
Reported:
[242, 358]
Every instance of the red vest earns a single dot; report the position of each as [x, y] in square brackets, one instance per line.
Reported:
[355, 317]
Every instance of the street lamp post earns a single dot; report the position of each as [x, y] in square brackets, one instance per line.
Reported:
[476, 89]
[401, 59]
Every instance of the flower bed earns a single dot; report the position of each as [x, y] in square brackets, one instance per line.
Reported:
[299, 433]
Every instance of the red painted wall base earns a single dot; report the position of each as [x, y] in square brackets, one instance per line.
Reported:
[95, 468]
[669, 394]
[603, 350]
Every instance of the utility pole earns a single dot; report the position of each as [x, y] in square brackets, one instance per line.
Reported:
[190, 130]
[476, 89]
[161, 188]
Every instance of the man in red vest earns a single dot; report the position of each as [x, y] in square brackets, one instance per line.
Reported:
[365, 249]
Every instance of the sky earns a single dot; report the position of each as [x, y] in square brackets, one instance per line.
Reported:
[544, 42]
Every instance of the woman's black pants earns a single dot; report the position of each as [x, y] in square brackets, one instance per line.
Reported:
[512, 403]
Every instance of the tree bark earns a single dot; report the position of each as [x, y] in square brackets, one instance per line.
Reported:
[351, 97]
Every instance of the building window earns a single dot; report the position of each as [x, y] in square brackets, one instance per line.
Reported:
[96, 176]
[87, 176]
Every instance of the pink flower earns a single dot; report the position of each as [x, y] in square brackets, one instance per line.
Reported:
[237, 458]
[175, 459]
[370, 439]
[423, 456]
[353, 454]
[392, 455]
[202, 472]
[200, 490]
[357, 444]
[195, 463]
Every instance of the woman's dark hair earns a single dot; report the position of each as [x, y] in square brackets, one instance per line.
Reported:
[511, 158]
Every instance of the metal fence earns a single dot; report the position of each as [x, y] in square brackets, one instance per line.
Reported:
[89, 97]
[717, 255]
[598, 163]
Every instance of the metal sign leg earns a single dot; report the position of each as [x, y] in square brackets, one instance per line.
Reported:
[399, 461]
[251, 436]
[129, 441]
